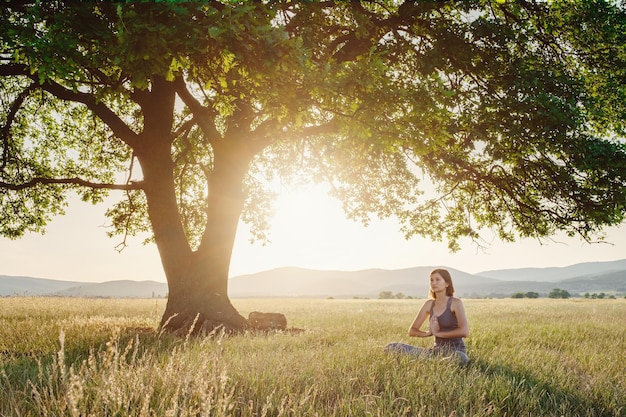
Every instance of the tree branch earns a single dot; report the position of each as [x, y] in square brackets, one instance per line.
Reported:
[349, 46]
[117, 125]
[13, 69]
[329, 127]
[4, 130]
[201, 114]
[137, 185]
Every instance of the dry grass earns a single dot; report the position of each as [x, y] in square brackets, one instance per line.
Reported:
[73, 357]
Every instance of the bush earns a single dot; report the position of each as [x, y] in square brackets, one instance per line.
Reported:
[558, 293]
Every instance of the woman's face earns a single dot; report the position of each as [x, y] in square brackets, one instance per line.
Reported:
[437, 283]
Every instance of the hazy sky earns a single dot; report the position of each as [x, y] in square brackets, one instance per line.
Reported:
[309, 231]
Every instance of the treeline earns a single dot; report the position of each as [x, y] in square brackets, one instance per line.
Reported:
[600, 296]
[530, 294]
[559, 293]
[388, 295]
[555, 293]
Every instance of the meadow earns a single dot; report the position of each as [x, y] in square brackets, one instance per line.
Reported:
[95, 357]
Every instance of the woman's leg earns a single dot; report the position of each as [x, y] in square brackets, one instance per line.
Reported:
[403, 348]
[462, 357]
[458, 355]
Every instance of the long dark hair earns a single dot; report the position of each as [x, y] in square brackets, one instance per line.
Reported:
[447, 278]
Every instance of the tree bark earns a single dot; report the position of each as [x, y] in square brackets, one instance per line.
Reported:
[197, 281]
[198, 301]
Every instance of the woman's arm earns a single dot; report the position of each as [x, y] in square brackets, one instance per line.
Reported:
[463, 328]
[414, 330]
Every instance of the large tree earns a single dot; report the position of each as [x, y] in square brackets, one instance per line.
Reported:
[514, 110]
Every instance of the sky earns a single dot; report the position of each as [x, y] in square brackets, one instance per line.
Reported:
[309, 231]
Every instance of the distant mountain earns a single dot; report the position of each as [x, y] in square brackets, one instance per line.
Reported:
[595, 277]
[610, 283]
[299, 282]
[553, 274]
[597, 283]
[117, 289]
[29, 286]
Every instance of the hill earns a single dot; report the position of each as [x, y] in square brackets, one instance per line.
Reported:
[298, 282]
[117, 289]
[29, 286]
[595, 277]
[553, 274]
[597, 283]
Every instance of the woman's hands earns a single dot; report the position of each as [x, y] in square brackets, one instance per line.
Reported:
[422, 316]
[432, 330]
[434, 325]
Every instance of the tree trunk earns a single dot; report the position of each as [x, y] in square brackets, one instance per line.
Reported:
[197, 281]
[198, 300]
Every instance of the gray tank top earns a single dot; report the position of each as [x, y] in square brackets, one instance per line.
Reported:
[447, 321]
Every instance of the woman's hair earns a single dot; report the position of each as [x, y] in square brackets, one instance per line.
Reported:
[447, 278]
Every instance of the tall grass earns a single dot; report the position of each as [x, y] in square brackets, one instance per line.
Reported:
[76, 357]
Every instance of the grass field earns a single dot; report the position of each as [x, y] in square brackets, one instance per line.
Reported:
[88, 357]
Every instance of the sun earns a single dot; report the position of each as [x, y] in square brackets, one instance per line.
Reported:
[306, 216]
[309, 229]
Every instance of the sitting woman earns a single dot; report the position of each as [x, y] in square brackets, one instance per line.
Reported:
[447, 322]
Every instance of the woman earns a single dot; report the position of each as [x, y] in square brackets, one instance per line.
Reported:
[447, 322]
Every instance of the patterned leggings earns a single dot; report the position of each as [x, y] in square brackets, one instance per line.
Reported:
[444, 353]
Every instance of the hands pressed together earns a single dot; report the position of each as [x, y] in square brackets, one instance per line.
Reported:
[434, 325]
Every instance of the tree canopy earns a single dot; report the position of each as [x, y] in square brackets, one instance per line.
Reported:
[513, 110]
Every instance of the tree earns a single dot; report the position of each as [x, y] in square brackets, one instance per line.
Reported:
[529, 294]
[195, 111]
[559, 293]
[385, 295]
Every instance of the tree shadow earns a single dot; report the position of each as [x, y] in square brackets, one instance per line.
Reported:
[551, 399]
